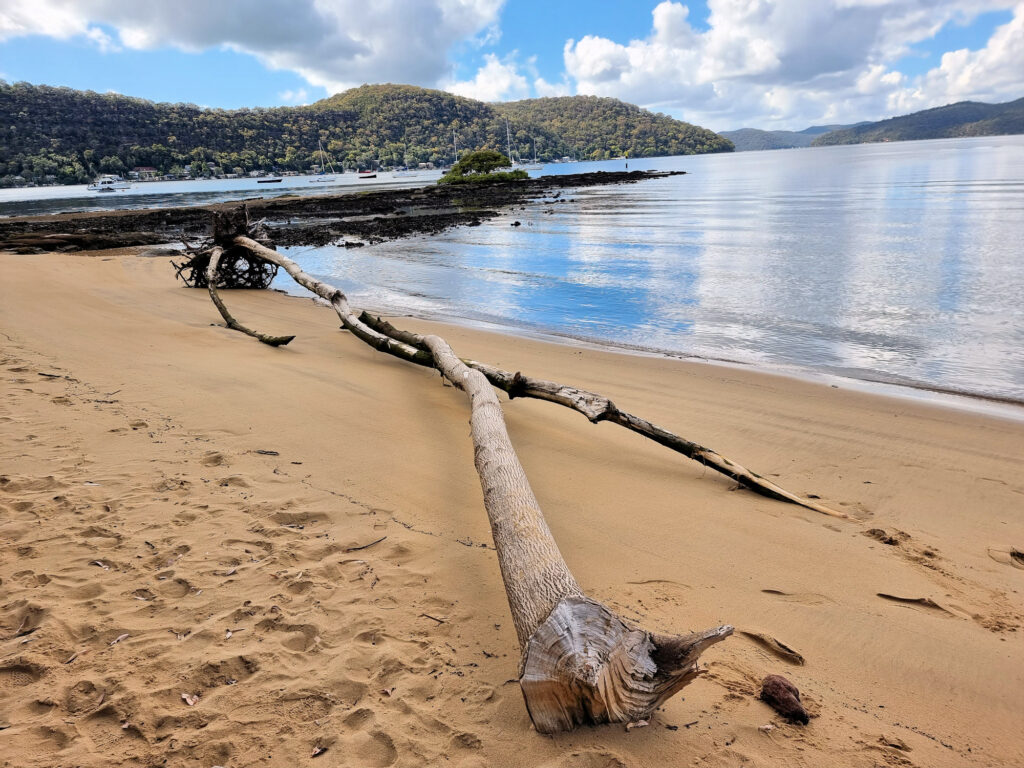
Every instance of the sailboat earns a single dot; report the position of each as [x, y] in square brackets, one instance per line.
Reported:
[404, 171]
[323, 177]
[534, 166]
[519, 165]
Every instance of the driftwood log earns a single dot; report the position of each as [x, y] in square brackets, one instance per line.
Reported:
[581, 663]
[599, 408]
[211, 283]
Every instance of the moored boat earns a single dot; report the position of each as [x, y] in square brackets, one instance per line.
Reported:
[109, 183]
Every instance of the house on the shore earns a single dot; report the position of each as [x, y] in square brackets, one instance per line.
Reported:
[143, 173]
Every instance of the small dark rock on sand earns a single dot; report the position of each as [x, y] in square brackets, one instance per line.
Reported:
[784, 698]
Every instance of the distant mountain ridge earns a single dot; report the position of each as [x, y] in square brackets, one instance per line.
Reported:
[753, 139]
[965, 118]
[60, 135]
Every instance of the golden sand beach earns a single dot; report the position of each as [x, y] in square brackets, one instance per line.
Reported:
[217, 553]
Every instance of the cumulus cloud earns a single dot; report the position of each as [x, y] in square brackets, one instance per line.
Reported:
[335, 44]
[496, 80]
[784, 63]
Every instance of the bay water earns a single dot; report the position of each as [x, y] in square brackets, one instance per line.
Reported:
[900, 263]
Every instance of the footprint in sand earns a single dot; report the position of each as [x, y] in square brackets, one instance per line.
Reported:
[214, 459]
[1010, 556]
[109, 734]
[174, 588]
[19, 674]
[374, 749]
[83, 697]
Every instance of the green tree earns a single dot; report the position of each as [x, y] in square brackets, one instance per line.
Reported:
[481, 167]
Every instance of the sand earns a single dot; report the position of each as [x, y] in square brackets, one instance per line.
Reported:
[213, 552]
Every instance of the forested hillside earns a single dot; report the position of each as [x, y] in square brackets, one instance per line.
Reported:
[966, 118]
[65, 136]
[592, 127]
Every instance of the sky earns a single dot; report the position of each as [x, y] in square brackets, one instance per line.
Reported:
[722, 64]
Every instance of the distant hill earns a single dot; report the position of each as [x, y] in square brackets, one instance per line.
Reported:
[752, 139]
[60, 135]
[966, 118]
[592, 126]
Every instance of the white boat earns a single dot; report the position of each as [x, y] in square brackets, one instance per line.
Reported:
[518, 164]
[534, 166]
[109, 183]
[323, 177]
[367, 175]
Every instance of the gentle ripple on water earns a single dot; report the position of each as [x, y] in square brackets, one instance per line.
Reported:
[893, 262]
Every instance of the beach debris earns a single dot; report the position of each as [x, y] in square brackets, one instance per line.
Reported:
[318, 750]
[364, 546]
[766, 728]
[119, 638]
[212, 279]
[636, 724]
[229, 632]
[101, 564]
[769, 643]
[432, 618]
[190, 698]
[784, 698]
[894, 743]
[581, 663]
[923, 602]
[388, 691]
[267, 453]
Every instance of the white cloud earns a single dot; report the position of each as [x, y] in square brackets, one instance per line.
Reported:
[335, 44]
[543, 88]
[496, 80]
[786, 63]
[297, 96]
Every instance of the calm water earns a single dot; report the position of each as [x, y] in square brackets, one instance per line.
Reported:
[35, 201]
[890, 262]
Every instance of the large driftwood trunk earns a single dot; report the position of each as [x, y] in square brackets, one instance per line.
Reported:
[581, 664]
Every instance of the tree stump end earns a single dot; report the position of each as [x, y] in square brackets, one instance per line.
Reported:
[585, 666]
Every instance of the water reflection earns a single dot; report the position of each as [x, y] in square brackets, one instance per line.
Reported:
[894, 262]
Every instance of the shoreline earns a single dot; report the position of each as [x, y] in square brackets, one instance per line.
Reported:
[920, 392]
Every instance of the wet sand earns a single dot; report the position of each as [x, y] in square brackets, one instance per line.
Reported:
[213, 552]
